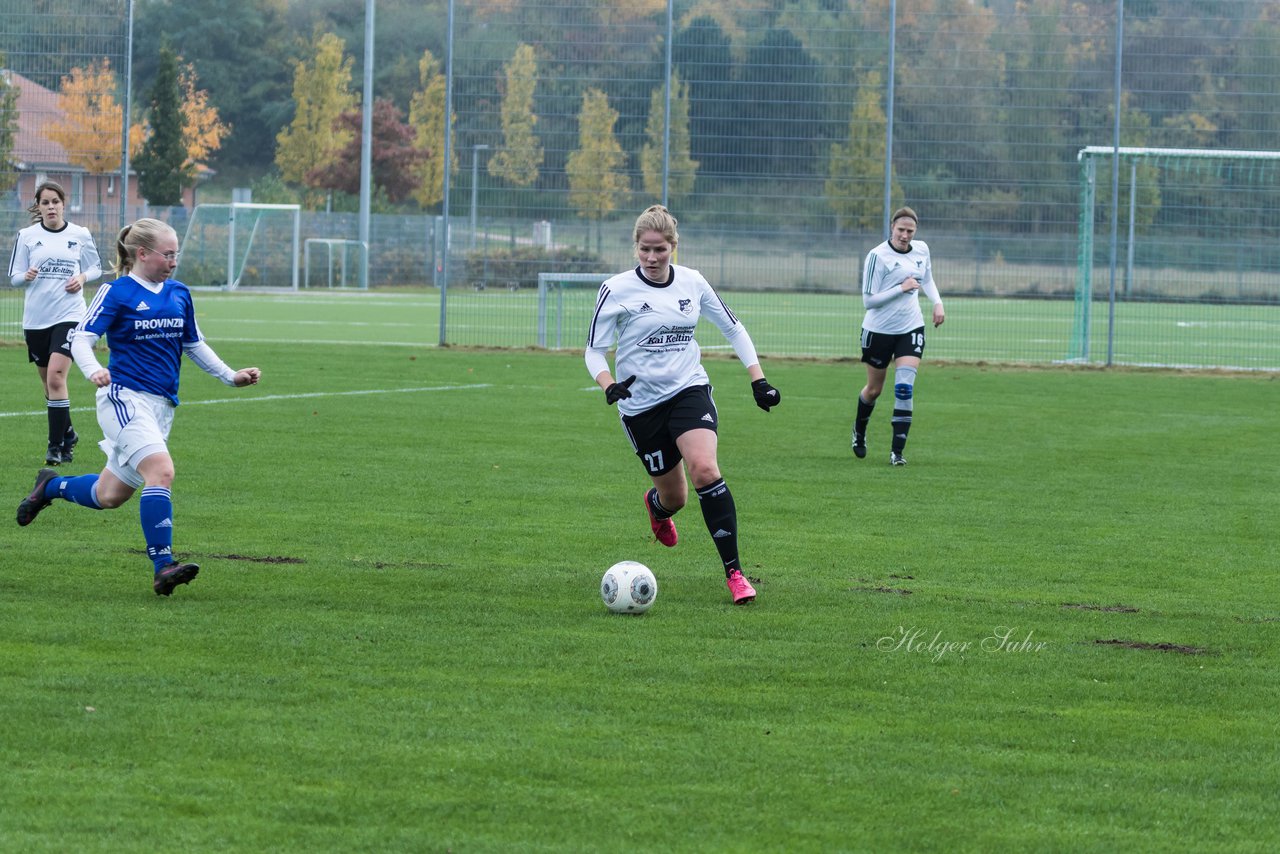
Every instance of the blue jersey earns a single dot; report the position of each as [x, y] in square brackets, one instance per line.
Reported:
[145, 331]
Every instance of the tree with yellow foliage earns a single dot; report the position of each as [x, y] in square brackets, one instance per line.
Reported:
[855, 173]
[88, 128]
[520, 156]
[321, 94]
[426, 117]
[595, 179]
[682, 169]
[203, 131]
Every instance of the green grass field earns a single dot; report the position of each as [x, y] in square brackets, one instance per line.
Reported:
[1055, 630]
[823, 325]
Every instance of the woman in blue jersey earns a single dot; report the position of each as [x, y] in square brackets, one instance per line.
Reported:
[893, 329]
[665, 403]
[53, 259]
[149, 321]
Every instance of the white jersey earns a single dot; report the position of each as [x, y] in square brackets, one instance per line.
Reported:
[653, 327]
[57, 256]
[883, 273]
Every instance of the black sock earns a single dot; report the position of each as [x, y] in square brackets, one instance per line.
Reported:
[722, 522]
[655, 506]
[901, 423]
[59, 420]
[864, 415]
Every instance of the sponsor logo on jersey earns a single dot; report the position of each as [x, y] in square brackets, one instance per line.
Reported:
[645, 308]
[159, 323]
[142, 306]
[39, 243]
[72, 244]
[669, 336]
[708, 417]
[686, 306]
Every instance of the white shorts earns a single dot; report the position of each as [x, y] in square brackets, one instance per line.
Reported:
[134, 425]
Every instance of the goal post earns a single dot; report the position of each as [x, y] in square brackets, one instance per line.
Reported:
[336, 252]
[551, 300]
[242, 245]
[1192, 226]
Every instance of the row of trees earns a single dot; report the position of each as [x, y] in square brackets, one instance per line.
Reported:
[177, 132]
[320, 149]
[993, 99]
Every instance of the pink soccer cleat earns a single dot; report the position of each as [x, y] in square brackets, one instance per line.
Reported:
[663, 529]
[741, 589]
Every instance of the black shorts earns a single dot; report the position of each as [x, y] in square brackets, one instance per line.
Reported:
[881, 348]
[43, 343]
[653, 432]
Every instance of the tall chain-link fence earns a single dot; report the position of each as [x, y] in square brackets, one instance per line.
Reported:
[783, 117]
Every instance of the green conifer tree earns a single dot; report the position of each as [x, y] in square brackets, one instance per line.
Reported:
[162, 165]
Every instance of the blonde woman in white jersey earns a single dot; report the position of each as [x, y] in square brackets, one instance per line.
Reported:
[53, 259]
[665, 401]
[893, 328]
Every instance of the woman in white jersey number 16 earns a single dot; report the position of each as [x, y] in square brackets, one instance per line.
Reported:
[150, 323]
[893, 328]
[665, 401]
[53, 259]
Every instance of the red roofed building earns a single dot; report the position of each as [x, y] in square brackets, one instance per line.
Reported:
[37, 158]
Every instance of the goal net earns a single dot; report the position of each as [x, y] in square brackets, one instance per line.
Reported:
[565, 301]
[1193, 227]
[242, 245]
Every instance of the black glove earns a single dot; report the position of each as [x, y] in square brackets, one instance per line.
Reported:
[619, 391]
[766, 395]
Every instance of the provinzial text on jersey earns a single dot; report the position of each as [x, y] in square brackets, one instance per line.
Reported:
[160, 323]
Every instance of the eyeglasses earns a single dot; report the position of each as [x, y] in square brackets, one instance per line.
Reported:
[168, 256]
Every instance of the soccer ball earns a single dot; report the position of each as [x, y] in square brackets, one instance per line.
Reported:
[628, 588]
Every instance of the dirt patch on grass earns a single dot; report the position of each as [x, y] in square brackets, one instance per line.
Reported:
[1110, 609]
[407, 564]
[260, 558]
[1181, 649]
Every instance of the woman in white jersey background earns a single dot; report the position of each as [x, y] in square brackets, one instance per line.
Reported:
[893, 329]
[149, 321]
[665, 401]
[53, 259]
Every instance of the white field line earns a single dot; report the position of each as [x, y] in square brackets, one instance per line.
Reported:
[325, 341]
[245, 321]
[303, 396]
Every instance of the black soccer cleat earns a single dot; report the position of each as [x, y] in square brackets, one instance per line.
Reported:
[172, 575]
[859, 444]
[895, 459]
[53, 457]
[31, 506]
[69, 443]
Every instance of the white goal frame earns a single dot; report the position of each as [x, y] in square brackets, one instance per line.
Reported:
[329, 243]
[1089, 157]
[234, 274]
[547, 281]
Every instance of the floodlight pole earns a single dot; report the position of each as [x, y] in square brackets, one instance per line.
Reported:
[475, 175]
[448, 159]
[366, 144]
[666, 110]
[1115, 186]
[888, 125]
[124, 131]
